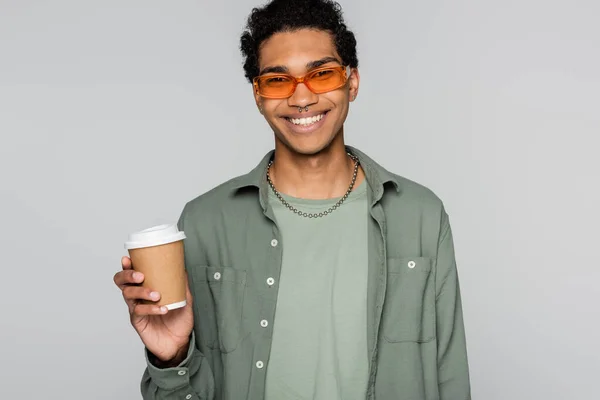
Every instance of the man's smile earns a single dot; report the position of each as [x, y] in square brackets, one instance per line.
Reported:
[306, 123]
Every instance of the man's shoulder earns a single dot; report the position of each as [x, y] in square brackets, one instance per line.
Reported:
[410, 206]
[400, 191]
[217, 197]
[413, 209]
[226, 196]
[415, 193]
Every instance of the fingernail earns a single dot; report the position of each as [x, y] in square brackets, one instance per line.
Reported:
[154, 295]
[137, 276]
[163, 309]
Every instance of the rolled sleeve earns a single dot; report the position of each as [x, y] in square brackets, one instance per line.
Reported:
[179, 376]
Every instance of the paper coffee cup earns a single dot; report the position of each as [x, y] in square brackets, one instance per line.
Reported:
[157, 252]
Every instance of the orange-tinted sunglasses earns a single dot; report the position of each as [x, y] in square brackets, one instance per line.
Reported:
[320, 80]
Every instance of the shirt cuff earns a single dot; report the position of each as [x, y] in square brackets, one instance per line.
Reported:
[175, 377]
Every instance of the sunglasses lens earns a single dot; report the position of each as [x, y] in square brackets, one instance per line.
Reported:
[275, 86]
[325, 80]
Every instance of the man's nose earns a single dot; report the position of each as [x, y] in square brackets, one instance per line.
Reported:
[302, 96]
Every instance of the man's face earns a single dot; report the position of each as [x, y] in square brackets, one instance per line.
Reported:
[296, 53]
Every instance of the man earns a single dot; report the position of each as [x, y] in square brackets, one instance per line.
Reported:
[318, 275]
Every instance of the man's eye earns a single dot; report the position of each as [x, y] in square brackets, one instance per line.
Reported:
[275, 80]
[323, 74]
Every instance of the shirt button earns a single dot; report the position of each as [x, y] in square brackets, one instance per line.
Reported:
[259, 364]
[181, 373]
[411, 264]
[264, 323]
[217, 276]
[274, 242]
[270, 281]
[188, 397]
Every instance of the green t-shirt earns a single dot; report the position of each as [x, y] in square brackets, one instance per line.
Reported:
[319, 348]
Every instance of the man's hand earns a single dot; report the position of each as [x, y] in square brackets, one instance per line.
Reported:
[166, 334]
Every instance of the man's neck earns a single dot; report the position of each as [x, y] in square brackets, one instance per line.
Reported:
[321, 176]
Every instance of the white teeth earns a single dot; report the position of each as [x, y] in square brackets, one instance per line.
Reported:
[306, 121]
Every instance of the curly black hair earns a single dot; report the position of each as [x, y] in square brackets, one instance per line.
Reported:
[290, 15]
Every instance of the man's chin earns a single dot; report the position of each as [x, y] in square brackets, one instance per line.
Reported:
[306, 148]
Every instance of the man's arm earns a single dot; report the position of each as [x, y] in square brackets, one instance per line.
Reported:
[191, 379]
[188, 376]
[453, 369]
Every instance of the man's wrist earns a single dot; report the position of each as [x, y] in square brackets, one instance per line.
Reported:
[173, 362]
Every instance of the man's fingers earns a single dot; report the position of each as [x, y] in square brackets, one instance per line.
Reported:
[126, 262]
[128, 277]
[137, 293]
[141, 310]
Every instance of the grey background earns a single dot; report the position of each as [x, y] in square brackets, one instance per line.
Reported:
[113, 114]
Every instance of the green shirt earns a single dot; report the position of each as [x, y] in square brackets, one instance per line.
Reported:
[415, 334]
[319, 346]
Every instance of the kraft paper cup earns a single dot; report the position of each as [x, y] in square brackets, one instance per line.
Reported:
[157, 252]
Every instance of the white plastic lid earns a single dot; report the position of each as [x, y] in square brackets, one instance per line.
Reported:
[155, 236]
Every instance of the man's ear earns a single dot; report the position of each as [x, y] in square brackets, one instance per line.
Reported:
[257, 99]
[353, 83]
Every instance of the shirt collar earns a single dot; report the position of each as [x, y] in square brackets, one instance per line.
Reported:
[377, 176]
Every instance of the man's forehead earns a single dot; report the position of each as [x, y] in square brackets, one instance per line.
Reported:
[299, 67]
[296, 48]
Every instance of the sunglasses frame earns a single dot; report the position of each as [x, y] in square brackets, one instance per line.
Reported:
[346, 72]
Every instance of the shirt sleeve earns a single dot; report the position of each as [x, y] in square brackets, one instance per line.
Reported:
[190, 380]
[453, 369]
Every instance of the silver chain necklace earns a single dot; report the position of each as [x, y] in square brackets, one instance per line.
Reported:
[324, 213]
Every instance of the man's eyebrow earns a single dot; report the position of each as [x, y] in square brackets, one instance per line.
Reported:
[322, 61]
[281, 69]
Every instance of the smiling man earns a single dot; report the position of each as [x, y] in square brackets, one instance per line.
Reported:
[319, 274]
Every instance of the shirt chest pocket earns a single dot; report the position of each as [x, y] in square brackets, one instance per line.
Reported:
[219, 300]
[409, 307]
